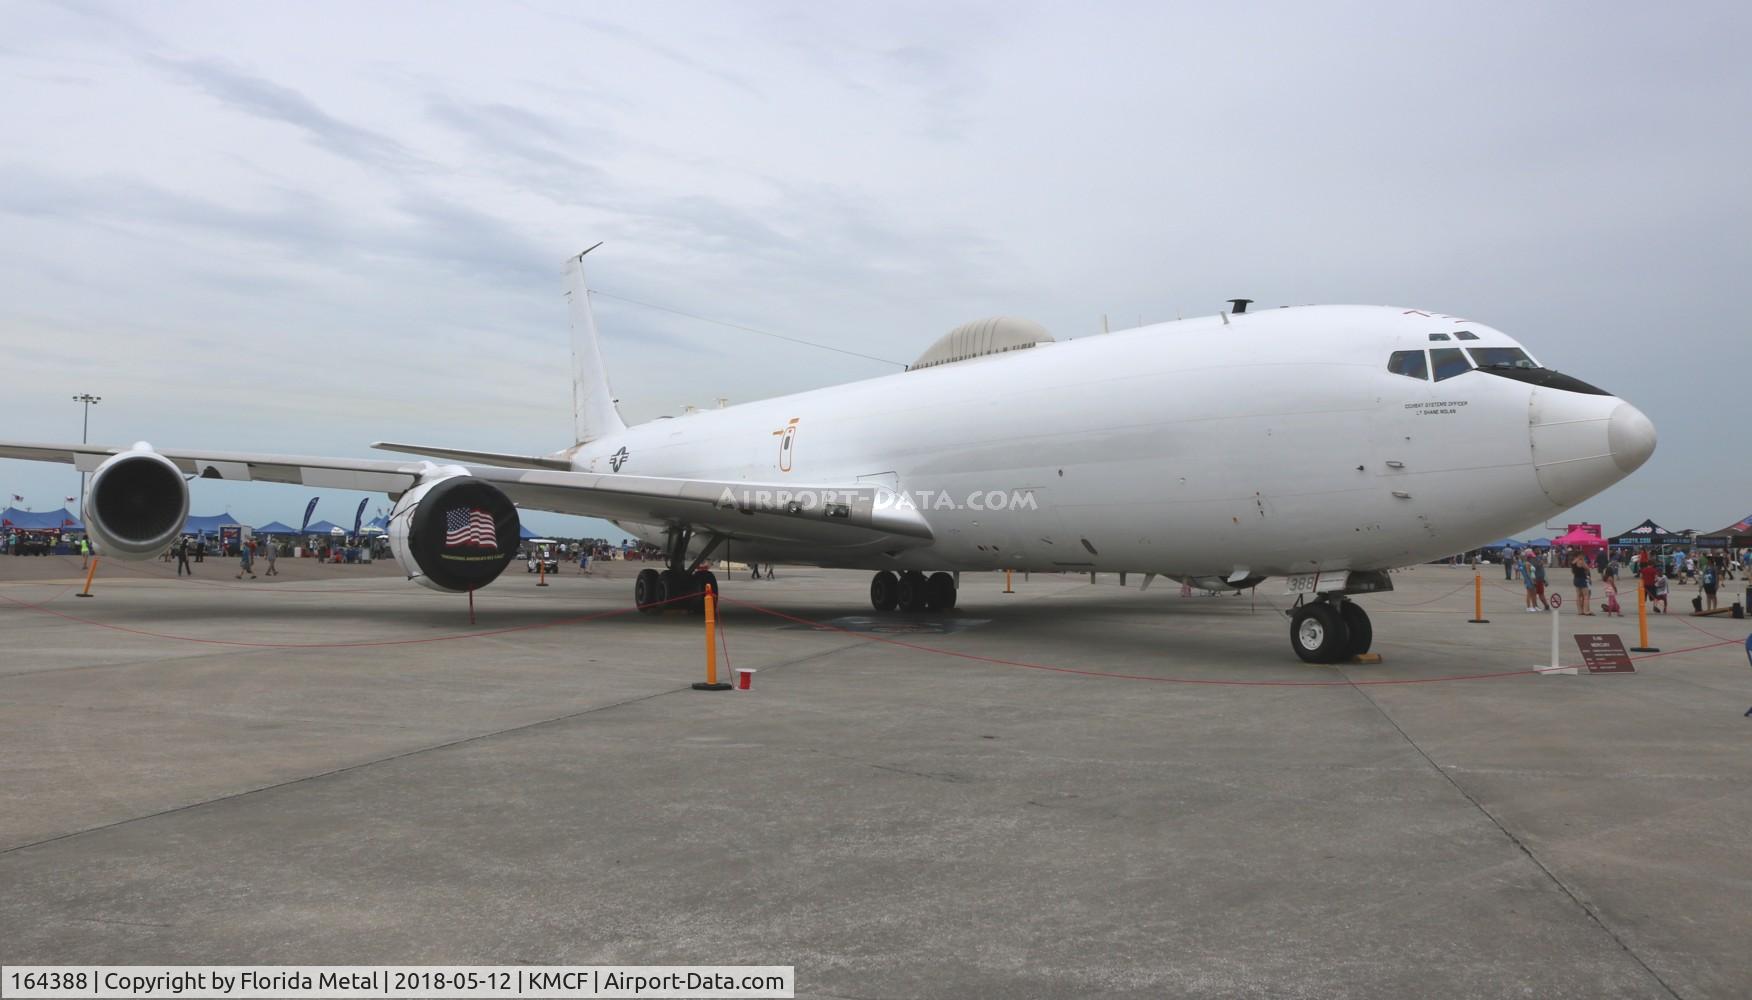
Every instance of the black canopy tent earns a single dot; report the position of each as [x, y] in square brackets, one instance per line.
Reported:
[1735, 536]
[1648, 535]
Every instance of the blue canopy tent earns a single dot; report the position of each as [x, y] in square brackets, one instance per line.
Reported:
[1505, 543]
[524, 533]
[320, 528]
[1540, 543]
[276, 528]
[40, 520]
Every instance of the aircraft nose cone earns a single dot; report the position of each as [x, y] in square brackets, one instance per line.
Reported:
[1583, 443]
[1630, 436]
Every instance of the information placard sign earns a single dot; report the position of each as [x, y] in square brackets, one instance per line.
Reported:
[1605, 654]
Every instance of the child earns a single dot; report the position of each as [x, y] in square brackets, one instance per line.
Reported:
[1610, 604]
[1660, 594]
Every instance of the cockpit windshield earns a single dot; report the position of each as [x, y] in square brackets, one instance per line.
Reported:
[1501, 357]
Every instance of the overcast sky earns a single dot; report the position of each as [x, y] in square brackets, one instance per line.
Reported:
[305, 227]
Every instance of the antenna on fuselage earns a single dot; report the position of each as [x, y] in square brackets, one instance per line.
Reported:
[1239, 306]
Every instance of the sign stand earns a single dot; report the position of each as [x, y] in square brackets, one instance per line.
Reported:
[1555, 667]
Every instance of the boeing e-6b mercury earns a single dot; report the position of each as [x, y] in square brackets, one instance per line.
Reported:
[1328, 444]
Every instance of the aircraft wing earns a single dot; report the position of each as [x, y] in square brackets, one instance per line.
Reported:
[827, 514]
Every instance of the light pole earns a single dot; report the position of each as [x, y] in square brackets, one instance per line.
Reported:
[84, 431]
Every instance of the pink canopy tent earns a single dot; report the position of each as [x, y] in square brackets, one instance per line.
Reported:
[1579, 538]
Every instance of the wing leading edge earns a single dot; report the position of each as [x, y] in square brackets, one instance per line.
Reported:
[831, 515]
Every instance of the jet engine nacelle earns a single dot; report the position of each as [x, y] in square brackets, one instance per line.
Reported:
[135, 503]
[454, 533]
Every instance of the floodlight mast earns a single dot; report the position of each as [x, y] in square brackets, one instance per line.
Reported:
[84, 436]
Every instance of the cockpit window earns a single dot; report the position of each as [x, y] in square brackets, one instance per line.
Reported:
[1501, 357]
[1449, 362]
[1438, 336]
[1465, 335]
[1410, 364]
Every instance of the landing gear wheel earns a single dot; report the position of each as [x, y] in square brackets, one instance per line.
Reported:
[681, 589]
[884, 591]
[911, 593]
[649, 593]
[940, 592]
[1318, 633]
[703, 578]
[1356, 622]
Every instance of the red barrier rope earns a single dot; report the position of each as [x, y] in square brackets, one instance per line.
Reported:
[1109, 675]
[138, 569]
[578, 619]
[1419, 604]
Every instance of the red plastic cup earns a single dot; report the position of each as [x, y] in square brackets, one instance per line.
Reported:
[744, 679]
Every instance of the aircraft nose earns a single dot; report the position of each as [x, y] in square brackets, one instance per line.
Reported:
[1583, 443]
[1630, 436]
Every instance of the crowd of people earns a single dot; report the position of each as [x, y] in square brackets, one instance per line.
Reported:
[1653, 572]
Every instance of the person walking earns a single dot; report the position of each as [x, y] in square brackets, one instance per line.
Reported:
[84, 553]
[243, 562]
[1710, 581]
[182, 557]
[1539, 584]
[1527, 578]
[201, 549]
[1580, 577]
[273, 553]
[1509, 561]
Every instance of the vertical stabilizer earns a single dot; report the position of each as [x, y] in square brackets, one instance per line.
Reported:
[593, 412]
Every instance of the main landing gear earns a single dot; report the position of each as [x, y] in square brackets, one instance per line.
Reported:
[1329, 629]
[683, 585]
[912, 591]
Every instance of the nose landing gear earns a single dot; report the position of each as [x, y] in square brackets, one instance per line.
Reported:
[1329, 630]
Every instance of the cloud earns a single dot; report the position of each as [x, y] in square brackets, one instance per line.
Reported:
[531, 150]
[265, 99]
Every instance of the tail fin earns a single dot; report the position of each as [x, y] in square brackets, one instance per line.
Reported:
[593, 412]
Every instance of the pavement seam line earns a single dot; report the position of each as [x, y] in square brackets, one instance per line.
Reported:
[385, 760]
[1519, 845]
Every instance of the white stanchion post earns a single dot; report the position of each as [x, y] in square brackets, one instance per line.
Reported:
[1555, 667]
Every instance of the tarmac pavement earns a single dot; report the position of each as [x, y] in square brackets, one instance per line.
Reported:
[1105, 791]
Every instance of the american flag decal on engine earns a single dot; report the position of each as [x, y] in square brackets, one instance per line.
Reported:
[470, 527]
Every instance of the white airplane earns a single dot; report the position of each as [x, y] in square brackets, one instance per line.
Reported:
[1328, 444]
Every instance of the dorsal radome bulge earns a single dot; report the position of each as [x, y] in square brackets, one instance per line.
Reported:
[981, 338]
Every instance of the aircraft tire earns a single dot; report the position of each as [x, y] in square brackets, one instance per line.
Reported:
[911, 592]
[1318, 633]
[1356, 623]
[940, 592]
[884, 591]
[683, 585]
[649, 591]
